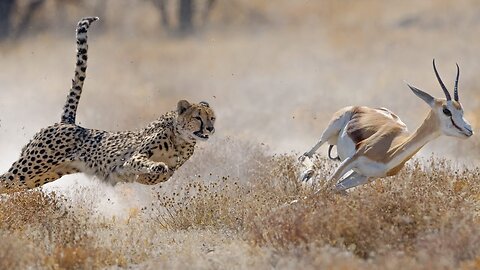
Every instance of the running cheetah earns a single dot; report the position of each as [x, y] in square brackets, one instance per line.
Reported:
[147, 156]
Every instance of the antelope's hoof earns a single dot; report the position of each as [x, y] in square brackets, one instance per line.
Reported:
[306, 175]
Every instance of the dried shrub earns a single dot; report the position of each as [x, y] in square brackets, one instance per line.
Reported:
[16, 253]
[384, 216]
[426, 217]
[230, 203]
[62, 237]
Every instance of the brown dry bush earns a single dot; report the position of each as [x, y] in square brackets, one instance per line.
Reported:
[41, 230]
[427, 211]
[426, 217]
[262, 182]
[208, 206]
[19, 209]
[16, 253]
[434, 202]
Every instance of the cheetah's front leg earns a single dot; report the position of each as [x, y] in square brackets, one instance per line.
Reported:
[153, 179]
[140, 164]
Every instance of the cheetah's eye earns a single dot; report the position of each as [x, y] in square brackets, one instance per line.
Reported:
[447, 112]
[198, 118]
[213, 118]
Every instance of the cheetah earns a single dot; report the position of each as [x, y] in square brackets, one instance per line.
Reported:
[148, 156]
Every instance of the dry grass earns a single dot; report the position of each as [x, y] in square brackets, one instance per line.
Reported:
[426, 217]
[384, 217]
[43, 231]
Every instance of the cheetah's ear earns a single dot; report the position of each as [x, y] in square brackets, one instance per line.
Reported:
[182, 106]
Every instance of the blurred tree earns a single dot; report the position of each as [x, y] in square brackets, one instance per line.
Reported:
[206, 11]
[190, 14]
[186, 13]
[162, 7]
[30, 8]
[6, 10]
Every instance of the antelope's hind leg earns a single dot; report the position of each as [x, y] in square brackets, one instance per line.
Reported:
[307, 168]
[339, 120]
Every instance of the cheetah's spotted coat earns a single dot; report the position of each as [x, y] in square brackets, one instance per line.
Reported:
[148, 156]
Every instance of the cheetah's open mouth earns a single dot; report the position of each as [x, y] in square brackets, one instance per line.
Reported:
[200, 135]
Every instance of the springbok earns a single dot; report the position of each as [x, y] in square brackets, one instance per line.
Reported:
[374, 142]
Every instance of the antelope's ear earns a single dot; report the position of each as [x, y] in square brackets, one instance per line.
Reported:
[423, 95]
[183, 106]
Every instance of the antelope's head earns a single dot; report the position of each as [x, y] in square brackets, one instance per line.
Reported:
[448, 112]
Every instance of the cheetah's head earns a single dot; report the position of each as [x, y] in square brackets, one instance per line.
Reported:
[195, 121]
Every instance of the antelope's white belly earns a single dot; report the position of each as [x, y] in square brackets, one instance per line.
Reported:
[345, 145]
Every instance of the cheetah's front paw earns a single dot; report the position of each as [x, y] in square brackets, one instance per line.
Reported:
[158, 168]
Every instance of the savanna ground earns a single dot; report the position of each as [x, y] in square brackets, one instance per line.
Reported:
[274, 73]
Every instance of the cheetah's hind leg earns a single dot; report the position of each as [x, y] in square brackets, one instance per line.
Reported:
[23, 176]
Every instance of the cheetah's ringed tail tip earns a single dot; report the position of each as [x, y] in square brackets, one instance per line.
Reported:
[90, 19]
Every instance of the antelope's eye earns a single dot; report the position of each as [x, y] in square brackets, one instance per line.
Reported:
[447, 112]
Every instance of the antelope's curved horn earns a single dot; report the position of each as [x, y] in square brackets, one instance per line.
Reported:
[445, 91]
[455, 90]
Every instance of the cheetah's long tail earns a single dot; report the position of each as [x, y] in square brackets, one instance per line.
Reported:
[70, 109]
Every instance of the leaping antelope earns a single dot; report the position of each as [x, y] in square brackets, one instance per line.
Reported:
[374, 142]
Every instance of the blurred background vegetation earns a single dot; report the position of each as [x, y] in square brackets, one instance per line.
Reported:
[19, 17]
